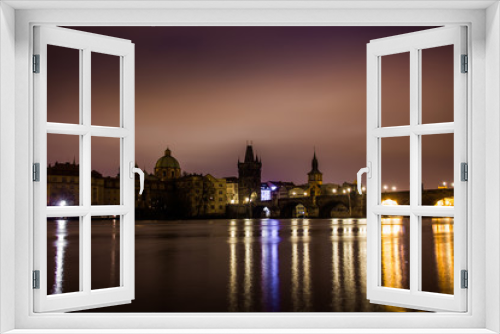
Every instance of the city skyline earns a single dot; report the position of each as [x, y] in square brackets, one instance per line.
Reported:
[205, 91]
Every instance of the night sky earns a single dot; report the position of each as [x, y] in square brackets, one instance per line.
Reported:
[205, 91]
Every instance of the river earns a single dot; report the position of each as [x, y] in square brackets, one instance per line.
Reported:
[259, 265]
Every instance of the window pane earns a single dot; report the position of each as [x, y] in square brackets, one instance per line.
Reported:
[395, 90]
[105, 171]
[63, 85]
[63, 170]
[437, 254]
[437, 84]
[105, 259]
[395, 184]
[395, 252]
[437, 170]
[63, 255]
[105, 89]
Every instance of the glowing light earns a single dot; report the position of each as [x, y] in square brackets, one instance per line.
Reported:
[247, 199]
[394, 188]
[294, 193]
[62, 203]
[453, 184]
[232, 201]
[386, 187]
[389, 202]
[273, 188]
[349, 190]
[444, 184]
[334, 191]
[305, 194]
[363, 189]
[343, 191]
[448, 201]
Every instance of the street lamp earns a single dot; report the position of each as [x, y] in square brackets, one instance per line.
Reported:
[444, 184]
[334, 191]
[394, 188]
[385, 188]
[363, 189]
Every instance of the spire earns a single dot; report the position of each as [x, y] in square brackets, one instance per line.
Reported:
[314, 163]
[249, 157]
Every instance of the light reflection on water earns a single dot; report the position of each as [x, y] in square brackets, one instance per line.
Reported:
[275, 265]
[60, 245]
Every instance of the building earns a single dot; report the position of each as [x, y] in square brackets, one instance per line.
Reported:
[63, 184]
[249, 175]
[201, 196]
[167, 167]
[315, 178]
[232, 190]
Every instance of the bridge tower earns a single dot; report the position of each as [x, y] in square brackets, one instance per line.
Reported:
[315, 178]
[249, 175]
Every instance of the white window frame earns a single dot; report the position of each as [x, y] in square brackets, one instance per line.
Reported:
[123, 50]
[483, 21]
[414, 44]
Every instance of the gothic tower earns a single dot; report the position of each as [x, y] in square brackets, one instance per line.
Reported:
[315, 177]
[249, 173]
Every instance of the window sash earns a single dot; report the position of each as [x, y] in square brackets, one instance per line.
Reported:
[413, 43]
[86, 43]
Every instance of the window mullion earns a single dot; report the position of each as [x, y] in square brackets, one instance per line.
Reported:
[85, 248]
[415, 183]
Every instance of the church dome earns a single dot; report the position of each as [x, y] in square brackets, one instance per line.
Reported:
[167, 161]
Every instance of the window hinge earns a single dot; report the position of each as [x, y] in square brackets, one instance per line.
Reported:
[465, 279]
[36, 172]
[465, 64]
[36, 279]
[36, 63]
[464, 172]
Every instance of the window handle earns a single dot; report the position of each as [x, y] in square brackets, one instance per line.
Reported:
[139, 171]
[368, 171]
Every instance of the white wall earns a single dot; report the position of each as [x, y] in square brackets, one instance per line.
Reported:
[492, 163]
[7, 160]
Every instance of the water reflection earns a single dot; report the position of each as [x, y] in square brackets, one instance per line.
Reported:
[438, 261]
[269, 263]
[266, 265]
[395, 253]
[443, 250]
[60, 245]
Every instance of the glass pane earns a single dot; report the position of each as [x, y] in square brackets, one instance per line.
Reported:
[63, 170]
[63, 255]
[437, 84]
[395, 89]
[395, 185]
[437, 170]
[395, 252]
[437, 254]
[105, 171]
[105, 89]
[63, 85]
[105, 250]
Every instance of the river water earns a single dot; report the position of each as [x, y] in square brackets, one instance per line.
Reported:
[259, 265]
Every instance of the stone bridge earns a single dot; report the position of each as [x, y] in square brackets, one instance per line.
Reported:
[324, 206]
[337, 206]
[429, 196]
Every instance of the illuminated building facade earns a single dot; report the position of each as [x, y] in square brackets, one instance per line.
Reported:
[201, 195]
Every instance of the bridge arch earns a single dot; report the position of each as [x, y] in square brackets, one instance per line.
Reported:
[289, 209]
[334, 209]
[262, 211]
